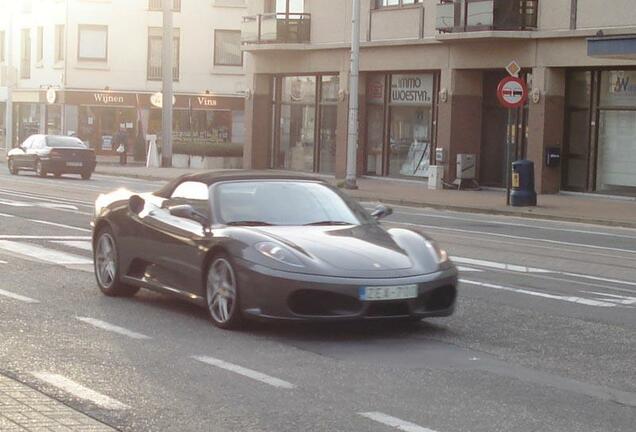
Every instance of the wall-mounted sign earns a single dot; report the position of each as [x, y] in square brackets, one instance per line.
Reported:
[205, 101]
[412, 89]
[51, 96]
[156, 99]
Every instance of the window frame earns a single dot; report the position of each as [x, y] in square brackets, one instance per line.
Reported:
[176, 5]
[39, 51]
[377, 4]
[81, 27]
[60, 38]
[2, 42]
[176, 44]
[216, 62]
[25, 53]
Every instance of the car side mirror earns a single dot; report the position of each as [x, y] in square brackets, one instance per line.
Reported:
[136, 204]
[381, 212]
[186, 211]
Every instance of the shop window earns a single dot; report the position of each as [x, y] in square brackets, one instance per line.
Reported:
[411, 106]
[330, 85]
[297, 124]
[155, 37]
[577, 126]
[227, 48]
[376, 89]
[616, 162]
[92, 43]
[25, 58]
[59, 43]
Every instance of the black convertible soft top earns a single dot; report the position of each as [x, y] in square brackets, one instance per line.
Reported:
[212, 177]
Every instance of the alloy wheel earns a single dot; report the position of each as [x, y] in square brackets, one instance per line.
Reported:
[39, 169]
[106, 260]
[221, 291]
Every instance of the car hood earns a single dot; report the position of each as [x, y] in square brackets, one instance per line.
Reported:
[354, 251]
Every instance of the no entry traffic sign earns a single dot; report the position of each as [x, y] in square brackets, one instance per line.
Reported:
[512, 92]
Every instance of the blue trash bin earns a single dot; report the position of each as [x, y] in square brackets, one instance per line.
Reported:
[523, 193]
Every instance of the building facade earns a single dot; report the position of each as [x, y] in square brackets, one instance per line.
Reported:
[429, 74]
[91, 67]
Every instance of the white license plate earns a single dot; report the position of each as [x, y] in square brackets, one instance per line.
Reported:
[378, 293]
[74, 164]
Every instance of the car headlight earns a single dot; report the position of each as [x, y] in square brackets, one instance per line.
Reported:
[278, 253]
[440, 254]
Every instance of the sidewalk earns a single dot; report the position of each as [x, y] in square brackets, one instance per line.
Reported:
[576, 208]
[23, 409]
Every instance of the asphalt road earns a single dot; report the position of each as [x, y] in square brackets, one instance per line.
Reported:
[544, 338]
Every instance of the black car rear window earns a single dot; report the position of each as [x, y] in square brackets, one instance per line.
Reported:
[68, 142]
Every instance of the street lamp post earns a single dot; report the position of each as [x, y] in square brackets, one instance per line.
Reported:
[11, 78]
[352, 141]
[166, 71]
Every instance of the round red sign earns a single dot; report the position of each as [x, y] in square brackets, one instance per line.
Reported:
[512, 92]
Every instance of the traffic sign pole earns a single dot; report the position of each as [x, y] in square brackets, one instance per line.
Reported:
[512, 93]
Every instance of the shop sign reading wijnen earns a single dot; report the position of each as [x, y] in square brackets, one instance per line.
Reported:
[407, 89]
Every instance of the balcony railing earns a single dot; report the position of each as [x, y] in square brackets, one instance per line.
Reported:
[476, 15]
[276, 28]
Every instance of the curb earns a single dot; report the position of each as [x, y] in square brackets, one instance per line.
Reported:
[450, 207]
[486, 211]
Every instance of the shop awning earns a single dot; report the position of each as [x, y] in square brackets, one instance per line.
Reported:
[618, 47]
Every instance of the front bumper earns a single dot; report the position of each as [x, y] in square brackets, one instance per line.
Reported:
[273, 294]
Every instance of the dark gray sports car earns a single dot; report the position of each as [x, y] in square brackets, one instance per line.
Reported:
[270, 246]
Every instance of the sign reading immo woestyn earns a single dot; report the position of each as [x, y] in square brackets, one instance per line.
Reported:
[407, 89]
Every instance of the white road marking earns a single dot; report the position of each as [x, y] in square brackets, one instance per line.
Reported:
[43, 254]
[33, 237]
[618, 299]
[468, 269]
[258, 376]
[83, 245]
[42, 197]
[59, 225]
[394, 422]
[112, 328]
[19, 297]
[6, 215]
[80, 391]
[13, 203]
[571, 299]
[523, 269]
[525, 225]
[498, 266]
[488, 234]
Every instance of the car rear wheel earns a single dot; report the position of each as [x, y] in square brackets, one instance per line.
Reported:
[106, 263]
[86, 175]
[12, 168]
[222, 295]
[39, 169]
[57, 174]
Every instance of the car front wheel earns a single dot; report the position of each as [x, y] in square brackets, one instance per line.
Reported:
[86, 175]
[106, 263]
[222, 295]
[12, 168]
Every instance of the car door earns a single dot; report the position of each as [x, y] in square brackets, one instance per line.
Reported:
[20, 157]
[175, 240]
[38, 145]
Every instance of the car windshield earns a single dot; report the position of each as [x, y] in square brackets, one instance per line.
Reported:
[254, 203]
[68, 142]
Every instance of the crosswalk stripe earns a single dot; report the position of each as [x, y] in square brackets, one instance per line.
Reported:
[18, 297]
[394, 422]
[80, 391]
[43, 254]
[83, 245]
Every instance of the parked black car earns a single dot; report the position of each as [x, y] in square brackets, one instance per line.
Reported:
[268, 246]
[52, 154]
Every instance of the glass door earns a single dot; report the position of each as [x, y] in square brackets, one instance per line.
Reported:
[576, 152]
